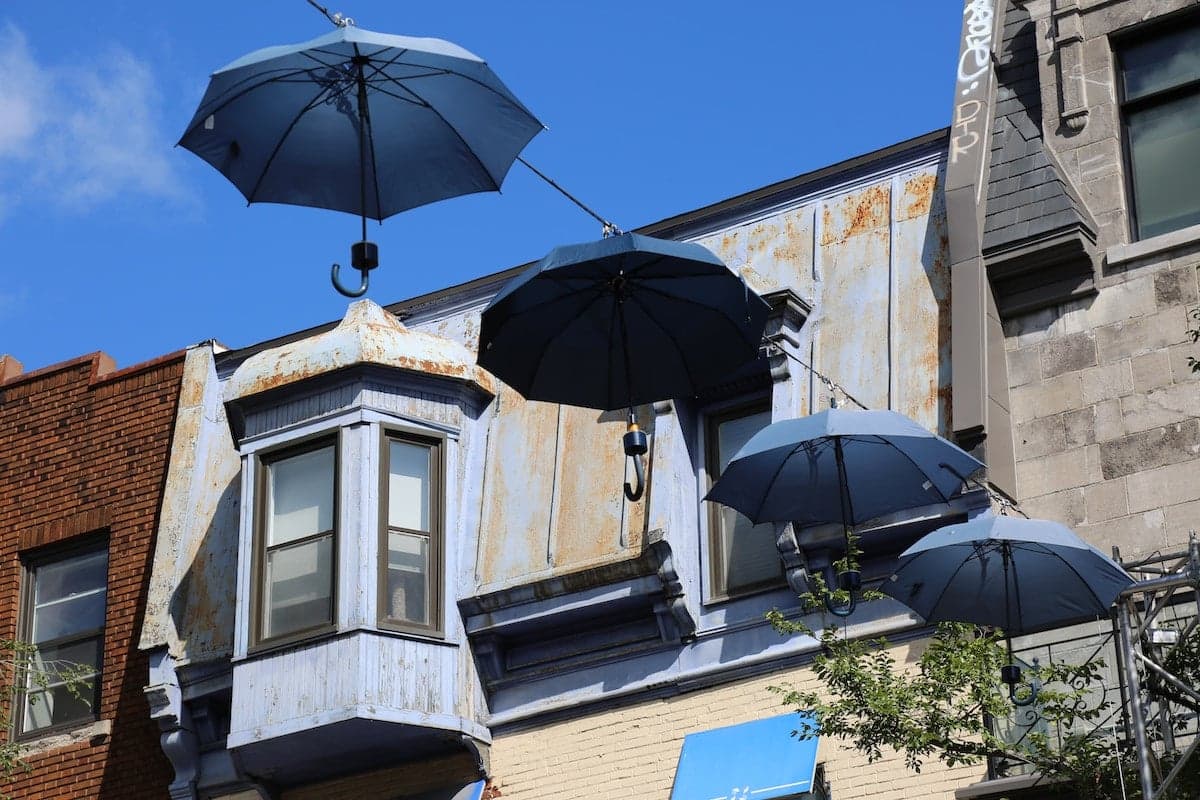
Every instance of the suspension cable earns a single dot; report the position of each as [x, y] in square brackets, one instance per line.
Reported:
[609, 228]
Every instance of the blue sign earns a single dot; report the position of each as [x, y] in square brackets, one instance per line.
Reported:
[758, 760]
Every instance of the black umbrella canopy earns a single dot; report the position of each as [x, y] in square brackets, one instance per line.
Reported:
[622, 321]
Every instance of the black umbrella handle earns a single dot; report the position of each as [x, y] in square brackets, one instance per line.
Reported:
[364, 257]
[636, 446]
[636, 491]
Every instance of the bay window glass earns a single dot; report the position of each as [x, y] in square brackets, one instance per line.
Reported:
[298, 532]
[410, 585]
[1160, 93]
[64, 621]
[742, 556]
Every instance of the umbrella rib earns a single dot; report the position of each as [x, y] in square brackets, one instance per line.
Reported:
[218, 103]
[1050, 552]
[774, 478]
[949, 580]
[279, 144]
[469, 150]
[917, 466]
[541, 360]
[670, 336]
[645, 286]
[379, 69]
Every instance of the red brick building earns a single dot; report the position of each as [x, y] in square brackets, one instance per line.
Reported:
[83, 455]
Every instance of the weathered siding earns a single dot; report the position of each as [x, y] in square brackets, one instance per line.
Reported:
[363, 675]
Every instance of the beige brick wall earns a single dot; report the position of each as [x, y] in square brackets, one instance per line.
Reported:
[630, 753]
[1106, 410]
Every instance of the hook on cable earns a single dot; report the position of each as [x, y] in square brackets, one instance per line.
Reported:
[364, 257]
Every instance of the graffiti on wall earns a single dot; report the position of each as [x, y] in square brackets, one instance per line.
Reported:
[974, 61]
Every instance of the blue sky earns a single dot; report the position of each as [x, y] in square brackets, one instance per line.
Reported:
[113, 239]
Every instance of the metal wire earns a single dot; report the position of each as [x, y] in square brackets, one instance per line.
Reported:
[338, 20]
[609, 228]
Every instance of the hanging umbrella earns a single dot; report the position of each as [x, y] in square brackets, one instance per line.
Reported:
[841, 465]
[620, 322]
[366, 123]
[1021, 575]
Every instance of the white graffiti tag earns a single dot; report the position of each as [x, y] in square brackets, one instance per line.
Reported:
[964, 137]
[977, 42]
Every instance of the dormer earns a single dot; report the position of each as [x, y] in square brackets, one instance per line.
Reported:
[355, 510]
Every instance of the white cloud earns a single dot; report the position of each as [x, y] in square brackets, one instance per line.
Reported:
[82, 134]
[18, 83]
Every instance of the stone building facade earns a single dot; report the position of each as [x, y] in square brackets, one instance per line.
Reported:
[1104, 400]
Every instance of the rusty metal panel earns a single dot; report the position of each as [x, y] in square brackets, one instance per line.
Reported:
[518, 487]
[367, 335]
[855, 286]
[190, 604]
[587, 512]
[922, 301]
[773, 253]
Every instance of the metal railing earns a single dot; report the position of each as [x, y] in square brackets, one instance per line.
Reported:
[1139, 703]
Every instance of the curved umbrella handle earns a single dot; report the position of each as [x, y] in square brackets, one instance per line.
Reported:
[364, 257]
[636, 445]
[359, 292]
[850, 581]
[635, 492]
[842, 611]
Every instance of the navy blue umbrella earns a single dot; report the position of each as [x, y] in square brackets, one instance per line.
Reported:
[841, 465]
[1021, 575]
[619, 322]
[367, 123]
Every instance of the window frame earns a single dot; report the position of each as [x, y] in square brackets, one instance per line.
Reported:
[718, 584]
[262, 465]
[1120, 42]
[437, 538]
[30, 562]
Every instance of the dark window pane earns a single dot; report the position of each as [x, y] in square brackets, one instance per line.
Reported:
[747, 551]
[1164, 144]
[58, 706]
[82, 573]
[55, 665]
[1161, 63]
[77, 614]
[407, 597]
[299, 587]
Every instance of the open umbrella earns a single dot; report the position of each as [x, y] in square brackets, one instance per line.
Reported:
[619, 322]
[841, 465]
[1021, 575]
[366, 123]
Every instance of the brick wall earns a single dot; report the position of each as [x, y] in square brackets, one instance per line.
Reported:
[83, 449]
[630, 753]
